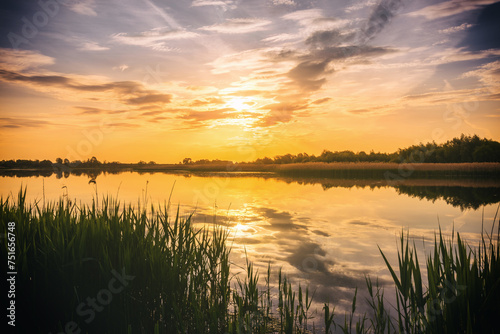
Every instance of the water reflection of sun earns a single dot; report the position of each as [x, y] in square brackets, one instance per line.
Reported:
[241, 229]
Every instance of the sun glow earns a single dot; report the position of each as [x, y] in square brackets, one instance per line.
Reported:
[239, 227]
[240, 103]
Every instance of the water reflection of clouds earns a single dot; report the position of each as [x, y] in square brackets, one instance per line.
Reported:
[325, 239]
[306, 252]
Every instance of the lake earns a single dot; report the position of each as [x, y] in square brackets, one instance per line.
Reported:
[323, 232]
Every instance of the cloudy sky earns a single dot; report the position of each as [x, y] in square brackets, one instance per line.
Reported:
[166, 79]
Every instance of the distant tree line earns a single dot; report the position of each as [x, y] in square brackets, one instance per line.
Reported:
[328, 156]
[59, 164]
[26, 164]
[189, 161]
[463, 149]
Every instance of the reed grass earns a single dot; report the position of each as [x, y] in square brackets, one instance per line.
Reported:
[181, 281]
[180, 276]
[462, 293]
[67, 253]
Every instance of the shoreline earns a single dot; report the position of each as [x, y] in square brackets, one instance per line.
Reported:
[390, 172]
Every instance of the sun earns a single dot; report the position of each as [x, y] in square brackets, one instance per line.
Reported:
[239, 103]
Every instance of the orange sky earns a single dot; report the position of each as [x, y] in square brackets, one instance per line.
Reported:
[164, 80]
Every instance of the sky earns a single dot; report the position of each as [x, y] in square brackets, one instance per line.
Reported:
[162, 80]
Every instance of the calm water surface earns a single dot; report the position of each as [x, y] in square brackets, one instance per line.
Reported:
[325, 236]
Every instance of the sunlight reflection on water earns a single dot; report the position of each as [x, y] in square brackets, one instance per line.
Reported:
[322, 236]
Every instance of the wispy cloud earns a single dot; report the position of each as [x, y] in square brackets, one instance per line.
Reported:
[359, 6]
[381, 15]
[326, 38]
[284, 3]
[322, 100]
[150, 99]
[281, 38]
[462, 27]
[195, 118]
[19, 60]
[92, 46]
[281, 112]
[238, 26]
[128, 92]
[15, 123]
[304, 17]
[207, 102]
[489, 75]
[155, 38]
[449, 8]
[310, 74]
[254, 59]
[89, 110]
[281, 68]
[454, 96]
[227, 4]
[122, 67]
[84, 7]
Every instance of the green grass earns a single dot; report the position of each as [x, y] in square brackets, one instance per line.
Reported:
[180, 281]
[461, 295]
[67, 253]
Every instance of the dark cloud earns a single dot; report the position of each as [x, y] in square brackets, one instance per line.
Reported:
[207, 115]
[327, 46]
[89, 110]
[15, 123]
[358, 222]
[281, 112]
[50, 80]
[124, 125]
[328, 38]
[494, 97]
[150, 99]
[321, 101]
[285, 106]
[309, 257]
[207, 101]
[424, 96]
[254, 241]
[310, 73]
[345, 52]
[308, 69]
[153, 113]
[280, 220]
[293, 243]
[157, 119]
[122, 87]
[282, 55]
[381, 15]
[141, 96]
[318, 232]
[307, 74]
[195, 118]
[359, 111]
